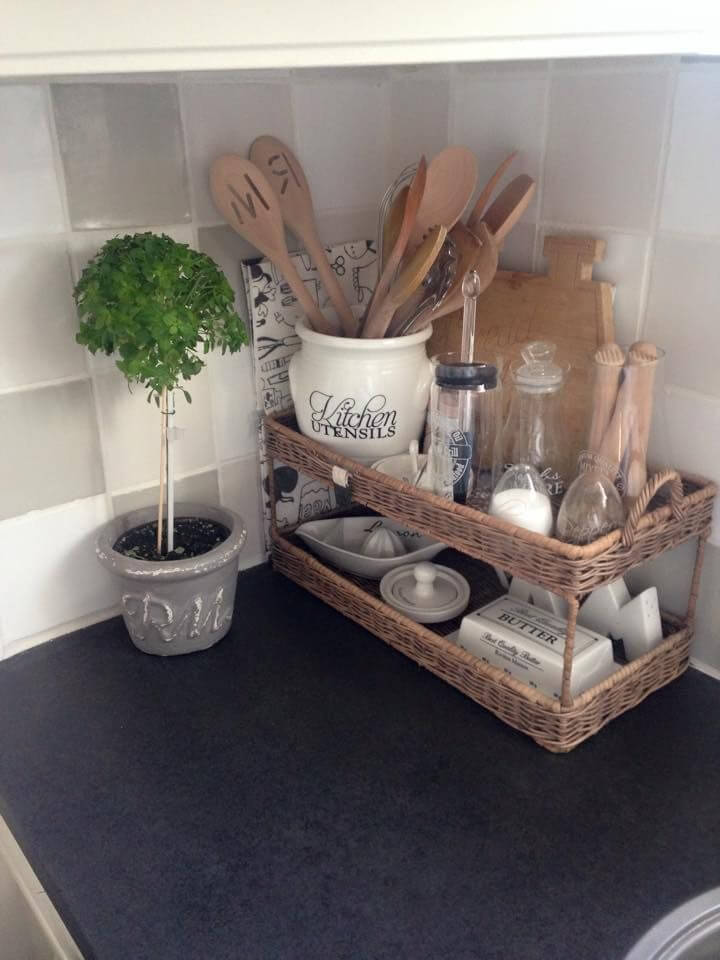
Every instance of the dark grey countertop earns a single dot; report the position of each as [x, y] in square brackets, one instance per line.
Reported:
[303, 791]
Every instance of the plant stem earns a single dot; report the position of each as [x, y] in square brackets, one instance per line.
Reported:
[163, 453]
[170, 460]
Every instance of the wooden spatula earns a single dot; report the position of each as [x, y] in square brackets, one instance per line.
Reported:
[451, 180]
[289, 183]
[246, 200]
[408, 280]
[487, 191]
[509, 205]
[399, 243]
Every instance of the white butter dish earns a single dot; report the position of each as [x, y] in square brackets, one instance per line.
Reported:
[529, 643]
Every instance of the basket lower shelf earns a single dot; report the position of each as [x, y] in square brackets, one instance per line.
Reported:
[557, 728]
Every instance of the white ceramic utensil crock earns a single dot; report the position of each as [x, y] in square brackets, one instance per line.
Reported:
[364, 398]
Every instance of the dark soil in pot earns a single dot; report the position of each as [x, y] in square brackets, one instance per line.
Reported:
[193, 537]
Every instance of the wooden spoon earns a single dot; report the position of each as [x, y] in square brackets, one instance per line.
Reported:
[246, 200]
[487, 191]
[451, 180]
[289, 183]
[509, 205]
[408, 280]
[412, 203]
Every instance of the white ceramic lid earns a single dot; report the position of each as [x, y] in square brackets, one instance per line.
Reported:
[426, 592]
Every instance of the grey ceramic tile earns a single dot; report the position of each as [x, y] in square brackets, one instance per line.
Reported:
[199, 488]
[495, 112]
[38, 321]
[31, 197]
[342, 132]
[603, 147]
[691, 199]
[419, 105]
[234, 403]
[681, 311]
[53, 558]
[338, 226]
[517, 250]
[122, 151]
[671, 574]
[706, 646]
[50, 448]
[228, 249]
[131, 431]
[240, 482]
[226, 118]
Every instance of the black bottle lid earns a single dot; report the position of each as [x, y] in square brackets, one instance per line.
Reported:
[466, 376]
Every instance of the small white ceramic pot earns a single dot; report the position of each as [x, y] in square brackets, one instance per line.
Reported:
[364, 398]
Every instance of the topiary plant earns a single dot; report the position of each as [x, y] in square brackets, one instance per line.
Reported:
[160, 306]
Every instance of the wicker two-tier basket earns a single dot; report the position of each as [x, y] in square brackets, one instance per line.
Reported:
[671, 510]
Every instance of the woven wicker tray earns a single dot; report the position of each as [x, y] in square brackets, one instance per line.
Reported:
[670, 510]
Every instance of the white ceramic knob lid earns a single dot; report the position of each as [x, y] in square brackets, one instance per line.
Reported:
[426, 592]
[424, 579]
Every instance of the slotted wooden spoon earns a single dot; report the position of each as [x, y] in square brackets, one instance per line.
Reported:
[473, 221]
[408, 280]
[451, 181]
[290, 185]
[410, 208]
[246, 200]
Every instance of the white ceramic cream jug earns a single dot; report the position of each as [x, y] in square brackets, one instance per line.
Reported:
[364, 398]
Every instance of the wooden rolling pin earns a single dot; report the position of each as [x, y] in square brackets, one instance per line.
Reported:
[626, 438]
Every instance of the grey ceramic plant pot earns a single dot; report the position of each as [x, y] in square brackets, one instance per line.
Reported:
[175, 606]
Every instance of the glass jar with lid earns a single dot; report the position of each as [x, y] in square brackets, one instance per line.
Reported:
[531, 434]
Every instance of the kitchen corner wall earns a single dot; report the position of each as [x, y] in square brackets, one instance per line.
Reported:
[623, 149]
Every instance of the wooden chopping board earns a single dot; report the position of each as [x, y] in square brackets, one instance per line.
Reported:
[566, 306]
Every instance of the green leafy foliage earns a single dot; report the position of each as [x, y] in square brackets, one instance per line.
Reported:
[160, 306]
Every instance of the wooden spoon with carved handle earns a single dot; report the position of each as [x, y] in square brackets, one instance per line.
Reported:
[289, 183]
[473, 221]
[246, 200]
[408, 280]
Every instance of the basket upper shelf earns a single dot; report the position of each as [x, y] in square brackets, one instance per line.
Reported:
[679, 508]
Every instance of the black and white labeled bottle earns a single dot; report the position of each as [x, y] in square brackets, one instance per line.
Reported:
[465, 411]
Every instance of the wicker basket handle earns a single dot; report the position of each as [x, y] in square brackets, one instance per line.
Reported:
[637, 510]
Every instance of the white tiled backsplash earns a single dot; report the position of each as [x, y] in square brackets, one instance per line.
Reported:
[626, 150]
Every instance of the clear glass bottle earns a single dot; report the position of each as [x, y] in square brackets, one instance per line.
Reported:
[531, 434]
